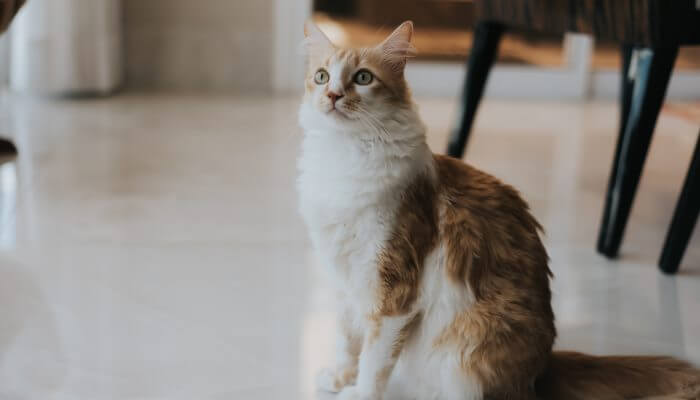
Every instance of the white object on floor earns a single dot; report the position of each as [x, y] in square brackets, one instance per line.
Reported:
[66, 47]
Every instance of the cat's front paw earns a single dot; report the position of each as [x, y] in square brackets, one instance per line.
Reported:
[328, 380]
[352, 393]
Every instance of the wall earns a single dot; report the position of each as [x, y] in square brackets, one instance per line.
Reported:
[219, 45]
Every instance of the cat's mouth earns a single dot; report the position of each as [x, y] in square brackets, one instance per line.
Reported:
[337, 113]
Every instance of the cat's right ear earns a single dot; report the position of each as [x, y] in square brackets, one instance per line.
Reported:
[315, 42]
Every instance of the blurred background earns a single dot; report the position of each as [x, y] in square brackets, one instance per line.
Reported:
[67, 46]
[150, 246]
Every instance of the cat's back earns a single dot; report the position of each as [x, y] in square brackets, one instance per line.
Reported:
[479, 195]
[488, 230]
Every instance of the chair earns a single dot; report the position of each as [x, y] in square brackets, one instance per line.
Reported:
[649, 31]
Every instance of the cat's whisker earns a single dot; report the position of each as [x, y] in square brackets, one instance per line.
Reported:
[366, 118]
[380, 128]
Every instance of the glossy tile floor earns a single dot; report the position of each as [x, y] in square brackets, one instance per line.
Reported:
[150, 246]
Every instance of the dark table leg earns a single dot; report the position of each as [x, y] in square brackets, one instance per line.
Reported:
[653, 70]
[684, 218]
[487, 36]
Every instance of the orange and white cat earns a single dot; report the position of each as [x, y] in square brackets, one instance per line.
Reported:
[442, 278]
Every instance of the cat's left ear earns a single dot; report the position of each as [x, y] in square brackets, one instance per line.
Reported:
[397, 47]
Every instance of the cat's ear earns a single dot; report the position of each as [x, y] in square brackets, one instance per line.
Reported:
[315, 41]
[397, 47]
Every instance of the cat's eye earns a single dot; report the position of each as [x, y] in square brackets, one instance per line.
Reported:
[321, 76]
[363, 77]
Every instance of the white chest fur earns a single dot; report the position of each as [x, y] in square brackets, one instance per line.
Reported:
[349, 193]
[350, 188]
[347, 202]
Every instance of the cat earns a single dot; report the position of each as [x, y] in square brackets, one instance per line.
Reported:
[443, 280]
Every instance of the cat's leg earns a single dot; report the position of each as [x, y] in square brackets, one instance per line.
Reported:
[381, 347]
[348, 346]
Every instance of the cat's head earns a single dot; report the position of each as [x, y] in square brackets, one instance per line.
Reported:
[355, 89]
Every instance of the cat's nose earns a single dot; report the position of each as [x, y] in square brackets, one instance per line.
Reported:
[334, 97]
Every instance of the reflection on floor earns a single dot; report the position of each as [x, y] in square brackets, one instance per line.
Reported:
[150, 246]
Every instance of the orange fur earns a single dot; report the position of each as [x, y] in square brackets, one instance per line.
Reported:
[415, 234]
[575, 376]
[493, 248]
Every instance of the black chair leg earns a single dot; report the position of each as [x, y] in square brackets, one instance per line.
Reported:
[487, 36]
[7, 148]
[684, 218]
[653, 71]
[626, 90]
[625, 100]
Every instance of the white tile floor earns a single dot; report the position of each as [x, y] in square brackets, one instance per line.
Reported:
[150, 246]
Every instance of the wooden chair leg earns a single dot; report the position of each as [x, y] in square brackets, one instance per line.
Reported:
[684, 218]
[653, 71]
[487, 36]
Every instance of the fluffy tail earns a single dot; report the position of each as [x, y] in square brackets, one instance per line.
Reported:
[575, 376]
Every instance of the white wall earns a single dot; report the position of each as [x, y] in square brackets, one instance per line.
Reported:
[199, 44]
